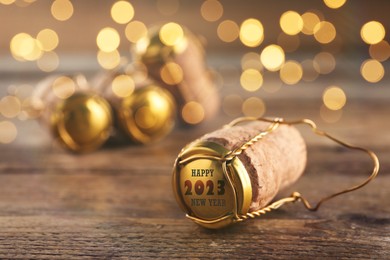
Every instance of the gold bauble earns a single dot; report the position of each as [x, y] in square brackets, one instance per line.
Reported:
[148, 114]
[82, 122]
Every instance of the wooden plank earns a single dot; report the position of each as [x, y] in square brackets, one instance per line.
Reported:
[130, 212]
[118, 202]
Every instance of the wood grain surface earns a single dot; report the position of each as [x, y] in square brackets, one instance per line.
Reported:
[118, 202]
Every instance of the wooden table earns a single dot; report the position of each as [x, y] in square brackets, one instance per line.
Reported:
[118, 203]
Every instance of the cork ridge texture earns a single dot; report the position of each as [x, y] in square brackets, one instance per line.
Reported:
[273, 163]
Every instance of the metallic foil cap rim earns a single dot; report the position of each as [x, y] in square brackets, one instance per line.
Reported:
[104, 119]
[158, 103]
[211, 210]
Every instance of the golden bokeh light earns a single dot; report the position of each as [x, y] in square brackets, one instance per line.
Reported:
[211, 10]
[291, 23]
[36, 50]
[171, 34]
[7, 2]
[168, 7]
[122, 85]
[330, 116]
[272, 57]
[324, 63]
[48, 62]
[228, 31]
[372, 32]
[24, 93]
[251, 32]
[8, 132]
[289, 43]
[329, 39]
[291, 72]
[334, 4]
[372, 71]
[253, 106]
[135, 31]
[20, 45]
[108, 60]
[193, 113]
[141, 46]
[181, 45]
[171, 73]
[251, 80]
[309, 72]
[48, 39]
[251, 60]
[324, 32]
[380, 51]
[334, 98]
[24, 47]
[26, 3]
[62, 10]
[122, 12]
[63, 87]
[108, 39]
[33, 107]
[232, 104]
[310, 20]
[10, 106]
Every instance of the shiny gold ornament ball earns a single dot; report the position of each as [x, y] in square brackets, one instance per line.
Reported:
[148, 114]
[82, 122]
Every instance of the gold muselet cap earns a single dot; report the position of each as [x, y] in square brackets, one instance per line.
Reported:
[212, 191]
[148, 114]
[82, 122]
[163, 43]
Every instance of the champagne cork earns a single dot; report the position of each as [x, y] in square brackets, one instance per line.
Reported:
[179, 66]
[144, 111]
[273, 163]
[78, 118]
[258, 173]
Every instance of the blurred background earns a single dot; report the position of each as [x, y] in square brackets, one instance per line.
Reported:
[261, 54]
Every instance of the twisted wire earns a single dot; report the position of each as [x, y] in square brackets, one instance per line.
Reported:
[230, 156]
[277, 204]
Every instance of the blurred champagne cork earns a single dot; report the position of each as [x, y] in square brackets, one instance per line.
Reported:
[144, 111]
[175, 59]
[78, 118]
[258, 172]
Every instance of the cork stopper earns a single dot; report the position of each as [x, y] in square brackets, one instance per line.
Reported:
[237, 170]
[181, 69]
